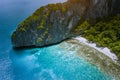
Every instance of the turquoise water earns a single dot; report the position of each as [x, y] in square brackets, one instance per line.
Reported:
[50, 63]
[54, 63]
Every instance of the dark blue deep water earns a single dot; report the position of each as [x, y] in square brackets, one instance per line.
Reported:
[50, 63]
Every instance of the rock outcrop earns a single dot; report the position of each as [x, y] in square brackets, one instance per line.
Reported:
[55, 22]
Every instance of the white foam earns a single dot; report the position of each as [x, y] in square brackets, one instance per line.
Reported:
[104, 50]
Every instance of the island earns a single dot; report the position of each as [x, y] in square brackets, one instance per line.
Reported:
[98, 21]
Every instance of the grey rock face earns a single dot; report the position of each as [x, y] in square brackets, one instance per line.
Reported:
[54, 23]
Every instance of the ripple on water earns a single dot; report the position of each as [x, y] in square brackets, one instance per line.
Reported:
[6, 71]
[55, 63]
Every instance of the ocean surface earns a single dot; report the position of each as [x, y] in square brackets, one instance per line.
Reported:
[49, 63]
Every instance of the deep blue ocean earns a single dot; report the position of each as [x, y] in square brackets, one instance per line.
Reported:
[50, 63]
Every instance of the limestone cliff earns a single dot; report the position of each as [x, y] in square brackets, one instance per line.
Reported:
[55, 22]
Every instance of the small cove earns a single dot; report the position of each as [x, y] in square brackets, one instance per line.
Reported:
[49, 63]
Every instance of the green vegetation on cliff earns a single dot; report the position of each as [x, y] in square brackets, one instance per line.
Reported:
[106, 33]
[55, 7]
[40, 15]
[82, 26]
[34, 18]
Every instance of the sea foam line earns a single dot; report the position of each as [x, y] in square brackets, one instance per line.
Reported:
[104, 50]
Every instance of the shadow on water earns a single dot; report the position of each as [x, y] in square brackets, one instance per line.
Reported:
[33, 46]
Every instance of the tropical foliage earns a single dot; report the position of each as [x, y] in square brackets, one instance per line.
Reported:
[106, 33]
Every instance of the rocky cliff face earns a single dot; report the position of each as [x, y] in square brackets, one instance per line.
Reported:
[55, 22]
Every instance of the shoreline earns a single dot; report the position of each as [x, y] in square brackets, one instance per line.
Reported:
[103, 50]
[94, 55]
